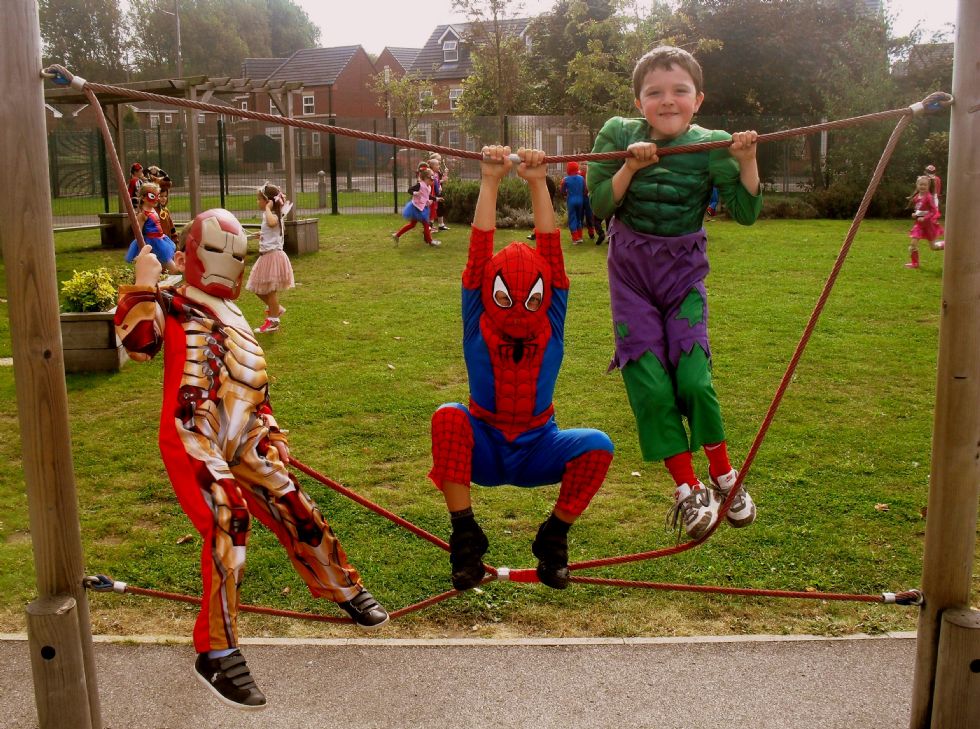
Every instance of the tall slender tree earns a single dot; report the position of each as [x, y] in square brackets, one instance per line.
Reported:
[86, 36]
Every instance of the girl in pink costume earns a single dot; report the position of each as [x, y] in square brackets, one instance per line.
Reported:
[926, 215]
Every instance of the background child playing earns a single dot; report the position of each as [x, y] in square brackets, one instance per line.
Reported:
[417, 209]
[135, 182]
[592, 221]
[438, 217]
[573, 189]
[514, 306]
[926, 215]
[222, 447]
[272, 272]
[149, 221]
[657, 265]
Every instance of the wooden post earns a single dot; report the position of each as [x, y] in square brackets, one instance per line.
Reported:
[119, 114]
[193, 154]
[42, 398]
[954, 487]
[289, 143]
[56, 655]
[957, 698]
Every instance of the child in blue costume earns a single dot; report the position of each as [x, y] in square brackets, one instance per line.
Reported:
[148, 218]
[574, 191]
[657, 265]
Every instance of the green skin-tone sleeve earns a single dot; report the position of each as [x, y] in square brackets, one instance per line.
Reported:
[669, 198]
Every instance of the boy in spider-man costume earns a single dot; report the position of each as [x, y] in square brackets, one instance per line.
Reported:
[514, 306]
[223, 449]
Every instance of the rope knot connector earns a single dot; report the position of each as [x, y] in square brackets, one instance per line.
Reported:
[907, 597]
[934, 102]
[103, 583]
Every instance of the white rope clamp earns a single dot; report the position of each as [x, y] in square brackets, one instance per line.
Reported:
[77, 82]
[503, 574]
[918, 108]
[513, 157]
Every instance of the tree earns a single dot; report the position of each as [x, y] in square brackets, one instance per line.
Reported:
[405, 97]
[85, 36]
[500, 80]
[216, 35]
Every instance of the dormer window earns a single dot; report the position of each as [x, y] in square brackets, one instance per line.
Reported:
[450, 51]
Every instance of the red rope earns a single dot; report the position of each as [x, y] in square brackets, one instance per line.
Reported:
[933, 102]
[718, 590]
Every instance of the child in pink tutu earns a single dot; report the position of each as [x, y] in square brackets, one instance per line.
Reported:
[417, 209]
[925, 212]
[272, 272]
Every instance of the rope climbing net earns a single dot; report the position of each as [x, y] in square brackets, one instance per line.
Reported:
[933, 103]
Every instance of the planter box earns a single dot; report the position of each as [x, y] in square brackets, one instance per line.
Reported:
[89, 342]
[302, 236]
[117, 233]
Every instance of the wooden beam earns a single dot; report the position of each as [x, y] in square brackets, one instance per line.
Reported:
[954, 482]
[39, 376]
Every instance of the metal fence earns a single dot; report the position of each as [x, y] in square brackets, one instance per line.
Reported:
[335, 174]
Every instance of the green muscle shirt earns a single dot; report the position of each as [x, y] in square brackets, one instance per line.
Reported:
[668, 198]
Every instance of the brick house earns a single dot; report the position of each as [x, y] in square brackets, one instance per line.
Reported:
[396, 60]
[445, 59]
[335, 82]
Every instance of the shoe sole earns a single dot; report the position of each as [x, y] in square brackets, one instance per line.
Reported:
[739, 523]
[224, 699]
[370, 628]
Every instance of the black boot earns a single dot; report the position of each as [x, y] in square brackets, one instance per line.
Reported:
[365, 611]
[467, 545]
[550, 546]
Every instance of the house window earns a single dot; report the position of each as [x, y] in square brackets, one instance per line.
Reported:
[387, 74]
[315, 142]
[168, 118]
[425, 100]
[244, 106]
[308, 104]
[450, 51]
[452, 138]
[154, 121]
[200, 118]
[273, 110]
[527, 43]
[454, 96]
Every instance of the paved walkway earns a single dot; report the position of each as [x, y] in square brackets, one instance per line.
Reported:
[732, 683]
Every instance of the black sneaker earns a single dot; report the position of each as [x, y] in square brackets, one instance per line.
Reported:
[551, 549]
[466, 550]
[229, 679]
[365, 611]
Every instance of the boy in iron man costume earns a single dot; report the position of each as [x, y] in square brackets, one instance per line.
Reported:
[223, 449]
[514, 306]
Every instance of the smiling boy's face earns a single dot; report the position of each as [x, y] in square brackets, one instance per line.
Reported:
[668, 101]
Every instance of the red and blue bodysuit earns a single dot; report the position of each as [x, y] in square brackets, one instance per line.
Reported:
[514, 305]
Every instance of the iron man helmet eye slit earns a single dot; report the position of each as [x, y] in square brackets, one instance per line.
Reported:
[536, 296]
[501, 295]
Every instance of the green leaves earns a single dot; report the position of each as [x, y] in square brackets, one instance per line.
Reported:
[91, 290]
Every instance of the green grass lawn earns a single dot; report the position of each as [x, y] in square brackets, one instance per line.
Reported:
[370, 346]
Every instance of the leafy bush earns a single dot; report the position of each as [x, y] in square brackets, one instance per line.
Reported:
[842, 199]
[787, 206]
[94, 290]
[513, 202]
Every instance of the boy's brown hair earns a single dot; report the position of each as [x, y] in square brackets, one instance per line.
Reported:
[663, 57]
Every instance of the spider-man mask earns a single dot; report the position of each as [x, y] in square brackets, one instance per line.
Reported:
[215, 249]
[517, 291]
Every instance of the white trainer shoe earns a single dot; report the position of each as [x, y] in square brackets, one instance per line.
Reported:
[695, 507]
[742, 512]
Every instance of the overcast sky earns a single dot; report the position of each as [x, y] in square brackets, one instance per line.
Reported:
[375, 24]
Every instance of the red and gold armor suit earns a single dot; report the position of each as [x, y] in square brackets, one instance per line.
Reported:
[217, 435]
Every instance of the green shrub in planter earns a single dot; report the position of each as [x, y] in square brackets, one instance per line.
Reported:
[93, 290]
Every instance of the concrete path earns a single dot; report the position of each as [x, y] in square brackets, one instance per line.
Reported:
[732, 683]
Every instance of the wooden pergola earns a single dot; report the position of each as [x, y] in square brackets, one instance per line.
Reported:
[193, 88]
